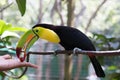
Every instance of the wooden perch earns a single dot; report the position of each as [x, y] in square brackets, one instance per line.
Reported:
[94, 15]
[79, 51]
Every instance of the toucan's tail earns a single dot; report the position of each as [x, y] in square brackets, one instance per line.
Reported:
[98, 69]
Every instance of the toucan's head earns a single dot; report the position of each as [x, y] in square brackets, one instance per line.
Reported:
[45, 31]
[42, 31]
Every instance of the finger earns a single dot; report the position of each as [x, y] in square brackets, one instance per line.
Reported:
[27, 64]
[16, 63]
[12, 64]
[7, 56]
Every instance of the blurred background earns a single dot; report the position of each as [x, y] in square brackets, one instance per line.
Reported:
[98, 19]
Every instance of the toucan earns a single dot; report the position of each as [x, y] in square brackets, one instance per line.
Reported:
[66, 36]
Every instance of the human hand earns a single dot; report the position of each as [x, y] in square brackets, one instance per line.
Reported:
[7, 63]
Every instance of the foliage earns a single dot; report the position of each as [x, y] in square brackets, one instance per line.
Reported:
[102, 42]
[21, 6]
[7, 32]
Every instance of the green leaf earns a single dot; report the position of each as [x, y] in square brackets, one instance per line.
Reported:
[2, 74]
[9, 34]
[7, 51]
[2, 26]
[112, 39]
[22, 6]
[22, 29]
[112, 67]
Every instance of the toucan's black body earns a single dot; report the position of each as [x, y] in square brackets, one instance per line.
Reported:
[71, 38]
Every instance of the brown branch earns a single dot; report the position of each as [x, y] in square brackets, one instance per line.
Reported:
[82, 10]
[5, 7]
[41, 13]
[94, 15]
[70, 14]
[80, 13]
[78, 51]
[58, 9]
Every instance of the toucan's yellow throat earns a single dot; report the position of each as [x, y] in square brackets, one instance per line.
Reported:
[46, 34]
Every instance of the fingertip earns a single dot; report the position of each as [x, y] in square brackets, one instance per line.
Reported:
[31, 65]
[35, 66]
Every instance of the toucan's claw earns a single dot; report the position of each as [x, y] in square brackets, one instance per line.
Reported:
[55, 54]
[75, 50]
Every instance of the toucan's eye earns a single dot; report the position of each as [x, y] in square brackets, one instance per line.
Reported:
[37, 30]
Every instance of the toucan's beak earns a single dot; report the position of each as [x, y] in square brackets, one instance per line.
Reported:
[28, 39]
[24, 44]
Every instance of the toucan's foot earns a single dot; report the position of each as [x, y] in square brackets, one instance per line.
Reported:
[56, 52]
[75, 50]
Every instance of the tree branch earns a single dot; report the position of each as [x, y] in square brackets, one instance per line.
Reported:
[5, 7]
[41, 13]
[79, 51]
[94, 15]
[82, 10]
[58, 9]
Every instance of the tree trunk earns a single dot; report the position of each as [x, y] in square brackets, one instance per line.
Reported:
[70, 22]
